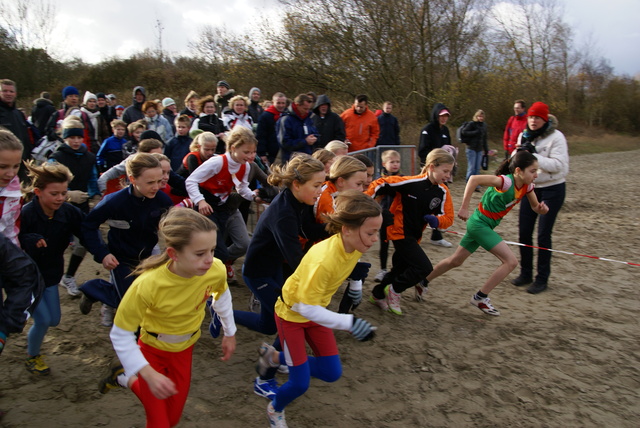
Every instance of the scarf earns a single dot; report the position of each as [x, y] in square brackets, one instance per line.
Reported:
[530, 136]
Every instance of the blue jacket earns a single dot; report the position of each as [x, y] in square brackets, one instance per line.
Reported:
[56, 231]
[176, 149]
[292, 131]
[133, 226]
[110, 152]
[389, 130]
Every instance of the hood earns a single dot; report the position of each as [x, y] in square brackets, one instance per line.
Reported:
[41, 102]
[133, 95]
[437, 108]
[322, 99]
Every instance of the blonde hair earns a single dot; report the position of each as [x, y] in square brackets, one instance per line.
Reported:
[335, 145]
[478, 113]
[118, 122]
[133, 126]
[323, 155]
[137, 163]
[176, 230]
[237, 98]
[345, 167]
[72, 121]
[352, 209]
[437, 157]
[161, 157]
[47, 173]
[240, 136]
[204, 100]
[191, 94]
[300, 168]
[149, 144]
[8, 141]
[202, 138]
[387, 155]
[183, 118]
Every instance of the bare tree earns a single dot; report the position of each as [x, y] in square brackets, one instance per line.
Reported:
[29, 22]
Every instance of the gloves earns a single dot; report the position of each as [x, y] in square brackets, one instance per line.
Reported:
[528, 146]
[3, 339]
[432, 221]
[77, 196]
[360, 272]
[355, 292]
[362, 330]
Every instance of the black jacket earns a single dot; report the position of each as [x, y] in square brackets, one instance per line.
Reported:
[389, 130]
[41, 113]
[474, 135]
[330, 128]
[433, 136]
[13, 119]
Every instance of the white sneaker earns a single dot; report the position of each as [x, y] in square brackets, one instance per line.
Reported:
[69, 282]
[441, 243]
[283, 369]
[107, 313]
[380, 275]
[420, 291]
[381, 303]
[393, 300]
[254, 304]
[485, 306]
[265, 362]
[276, 419]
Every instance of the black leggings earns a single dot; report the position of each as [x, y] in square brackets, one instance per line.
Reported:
[410, 265]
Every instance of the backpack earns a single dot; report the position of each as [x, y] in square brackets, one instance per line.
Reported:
[44, 149]
[459, 132]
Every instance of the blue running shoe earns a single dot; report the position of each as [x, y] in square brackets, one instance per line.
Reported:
[215, 324]
[265, 388]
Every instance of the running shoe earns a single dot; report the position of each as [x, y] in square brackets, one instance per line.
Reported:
[36, 365]
[276, 419]
[380, 275]
[265, 388]
[107, 313]
[265, 362]
[231, 274]
[381, 303]
[485, 306]
[420, 291]
[110, 381]
[254, 304]
[441, 243]
[86, 303]
[69, 282]
[393, 300]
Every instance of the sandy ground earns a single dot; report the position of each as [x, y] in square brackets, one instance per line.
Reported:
[567, 357]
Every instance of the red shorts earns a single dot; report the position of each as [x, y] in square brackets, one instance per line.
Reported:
[293, 336]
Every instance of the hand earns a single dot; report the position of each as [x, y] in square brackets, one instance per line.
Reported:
[228, 347]
[204, 208]
[432, 221]
[528, 146]
[41, 243]
[360, 271]
[77, 196]
[355, 296]
[110, 262]
[265, 160]
[161, 386]
[311, 139]
[542, 208]
[463, 214]
[362, 330]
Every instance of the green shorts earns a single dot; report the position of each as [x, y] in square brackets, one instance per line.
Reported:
[479, 234]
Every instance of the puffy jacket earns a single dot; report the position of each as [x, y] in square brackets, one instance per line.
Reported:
[474, 135]
[292, 131]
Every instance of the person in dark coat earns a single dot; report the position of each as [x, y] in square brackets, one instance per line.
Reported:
[329, 124]
[389, 127]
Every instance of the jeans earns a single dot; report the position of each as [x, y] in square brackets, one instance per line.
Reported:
[553, 196]
[474, 158]
[46, 314]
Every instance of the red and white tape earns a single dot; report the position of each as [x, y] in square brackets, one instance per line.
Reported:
[562, 252]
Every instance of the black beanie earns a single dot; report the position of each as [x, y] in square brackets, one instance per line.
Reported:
[149, 133]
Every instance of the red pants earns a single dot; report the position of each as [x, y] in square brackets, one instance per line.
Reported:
[177, 367]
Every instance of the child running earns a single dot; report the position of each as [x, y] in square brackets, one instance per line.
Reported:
[167, 301]
[301, 314]
[418, 201]
[48, 223]
[513, 181]
[10, 192]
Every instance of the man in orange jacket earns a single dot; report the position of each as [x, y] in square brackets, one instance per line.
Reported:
[361, 125]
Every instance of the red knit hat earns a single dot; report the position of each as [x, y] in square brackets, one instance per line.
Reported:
[539, 109]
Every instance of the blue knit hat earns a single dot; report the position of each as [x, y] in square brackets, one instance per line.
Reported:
[69, 90]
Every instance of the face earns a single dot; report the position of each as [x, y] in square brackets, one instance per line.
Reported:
[280, 103]
[172, 108]
[8, 94]
[387, 108]
[147, 183]
[74, 142]
[222, 90]
[255, 96]
[239, 107]
[535, 122]
[323, 109]
[304, 107]
[9, 165]
[529, 174]
[196, 258]
[362, 238]
[52, 196]
[355, 182]
[442, 119]
[137, 133]
[360, 107]
[518, 109]
[209, 108]
[72, 100]
[369, 176]
[91, 104]
[192, 103]
[243, 153]
[207, 149]
[392, 165]
[151, 112]
[166, 169]
[113, 101]
[309, 192]
[119, 131]
[182, 129]
[119, 113]
[102, 102]
[441, 173]
[480, 118]
[139, 97]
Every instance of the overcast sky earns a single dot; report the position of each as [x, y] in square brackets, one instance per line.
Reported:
[95, 30]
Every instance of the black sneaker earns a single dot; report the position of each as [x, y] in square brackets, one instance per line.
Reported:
[521, 280]
[537, 287]
[110, 381]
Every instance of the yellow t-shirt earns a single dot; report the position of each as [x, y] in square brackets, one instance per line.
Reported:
[160, 301]
[317, 277]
